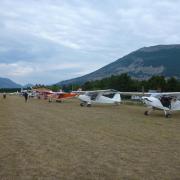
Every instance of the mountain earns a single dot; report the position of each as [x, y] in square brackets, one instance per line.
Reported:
[141, 64]
[7, 83]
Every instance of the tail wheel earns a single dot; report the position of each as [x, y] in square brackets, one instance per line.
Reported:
[146, 113]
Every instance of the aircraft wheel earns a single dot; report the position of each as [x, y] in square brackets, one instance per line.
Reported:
[146, 113]
[168, 115]
[82, 104]
[117, 103]
[88, 105]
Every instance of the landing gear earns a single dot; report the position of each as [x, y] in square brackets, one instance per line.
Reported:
[146, 113]
[167, 114]
[85, 104]
[117, 103]
[149, 111]
[82, 104]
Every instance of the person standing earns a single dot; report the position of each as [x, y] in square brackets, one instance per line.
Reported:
[26, 96]
[4, 95]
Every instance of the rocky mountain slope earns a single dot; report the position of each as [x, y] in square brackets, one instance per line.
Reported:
[141, 64]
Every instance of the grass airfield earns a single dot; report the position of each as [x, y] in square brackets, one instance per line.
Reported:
[41, 140]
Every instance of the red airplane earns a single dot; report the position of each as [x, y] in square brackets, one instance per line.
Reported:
[60, 96]
[50, 95]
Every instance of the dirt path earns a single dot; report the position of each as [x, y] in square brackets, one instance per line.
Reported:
[41, 140]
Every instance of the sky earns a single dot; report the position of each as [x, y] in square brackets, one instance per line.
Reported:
[47, 41]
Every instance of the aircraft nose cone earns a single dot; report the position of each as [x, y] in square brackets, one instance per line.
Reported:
[84, 98]
[143, 99]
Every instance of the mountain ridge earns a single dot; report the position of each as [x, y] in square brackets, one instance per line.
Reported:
[140, 64]
[7, 83]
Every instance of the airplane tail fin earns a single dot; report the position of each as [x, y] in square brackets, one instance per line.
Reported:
[117, 97]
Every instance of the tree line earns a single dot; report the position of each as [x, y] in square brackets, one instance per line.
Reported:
[124, 82]
[121, 82]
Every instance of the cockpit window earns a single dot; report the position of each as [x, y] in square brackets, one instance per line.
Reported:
[166, 101]
[93, 96]
[110, 95]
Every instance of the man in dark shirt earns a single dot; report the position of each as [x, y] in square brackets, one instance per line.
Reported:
[26, 96]
[4, 95]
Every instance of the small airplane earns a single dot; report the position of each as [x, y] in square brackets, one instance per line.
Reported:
[60, 96]
[108, 96]
[167, 102]
[42, 93]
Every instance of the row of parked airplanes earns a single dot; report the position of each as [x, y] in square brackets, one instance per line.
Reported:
[167, 102]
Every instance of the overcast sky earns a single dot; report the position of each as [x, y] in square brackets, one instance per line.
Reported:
[46, 41]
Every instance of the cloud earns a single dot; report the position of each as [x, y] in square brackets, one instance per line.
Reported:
[14, 69]
[43, 72]
[75, 37]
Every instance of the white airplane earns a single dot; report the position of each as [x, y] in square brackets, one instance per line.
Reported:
[108, 96]
[167, 102]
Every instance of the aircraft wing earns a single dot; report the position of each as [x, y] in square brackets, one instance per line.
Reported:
[136, 93]
[103, 91]
[157, 95]
[106, 91]
[168, 94]
[79, 92]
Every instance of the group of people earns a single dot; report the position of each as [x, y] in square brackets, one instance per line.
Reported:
[25, 94]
